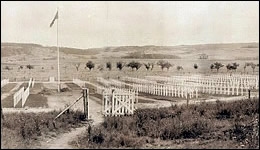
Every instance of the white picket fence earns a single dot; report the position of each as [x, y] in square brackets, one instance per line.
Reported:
[26, 94]
[4, 82]
[33, 83]
[154, 88]
[30, 82]
[215, 84]
[23, 94]
[118, 102]
[18, 96]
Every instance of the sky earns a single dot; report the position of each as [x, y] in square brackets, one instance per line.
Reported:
[93, 24]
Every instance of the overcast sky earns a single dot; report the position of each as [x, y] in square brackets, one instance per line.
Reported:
[101, 24]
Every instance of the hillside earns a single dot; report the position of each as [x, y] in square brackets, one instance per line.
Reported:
[243, 51]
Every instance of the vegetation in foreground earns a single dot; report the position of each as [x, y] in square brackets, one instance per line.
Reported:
[220, 125]
[22, 130]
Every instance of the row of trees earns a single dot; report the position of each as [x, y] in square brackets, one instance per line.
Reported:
[232, 66]
[133, 65]
[149, 66]
[20, 67]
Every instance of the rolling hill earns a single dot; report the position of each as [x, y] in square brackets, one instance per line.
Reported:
[230, 51]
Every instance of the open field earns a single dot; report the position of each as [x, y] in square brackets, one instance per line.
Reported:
[43, 68]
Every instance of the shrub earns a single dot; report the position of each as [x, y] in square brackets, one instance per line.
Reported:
[164, 64]
[120, 65]
[134, 64]
[90, 65]
[109, 65]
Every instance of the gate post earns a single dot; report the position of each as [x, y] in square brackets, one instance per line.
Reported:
[85, 103]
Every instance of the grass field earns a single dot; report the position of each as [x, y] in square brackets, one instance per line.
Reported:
[220, 125]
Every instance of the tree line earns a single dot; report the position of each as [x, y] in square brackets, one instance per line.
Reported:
[135, 65]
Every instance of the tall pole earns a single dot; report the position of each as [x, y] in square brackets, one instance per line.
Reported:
[58, 50]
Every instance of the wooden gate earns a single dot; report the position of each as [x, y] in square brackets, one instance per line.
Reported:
[118, 102]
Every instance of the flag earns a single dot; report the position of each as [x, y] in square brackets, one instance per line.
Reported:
[56, 17]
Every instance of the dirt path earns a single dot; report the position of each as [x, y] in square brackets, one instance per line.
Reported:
[62, 141]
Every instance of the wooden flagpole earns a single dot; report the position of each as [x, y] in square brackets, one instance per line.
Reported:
[58, 50]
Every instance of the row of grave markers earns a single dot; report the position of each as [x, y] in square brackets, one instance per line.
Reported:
[242, 80]
[177, 90]
[204, 86]
[153, 87]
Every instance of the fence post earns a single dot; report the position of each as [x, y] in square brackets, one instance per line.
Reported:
[85, 102]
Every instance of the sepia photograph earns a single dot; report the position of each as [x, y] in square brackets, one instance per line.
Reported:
[129, 74]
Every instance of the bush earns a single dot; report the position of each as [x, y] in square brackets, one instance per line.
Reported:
[90, 65]
[120, 65]
[134, 64]
[109, 65]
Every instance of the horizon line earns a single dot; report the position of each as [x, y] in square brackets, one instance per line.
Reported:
[131, 45]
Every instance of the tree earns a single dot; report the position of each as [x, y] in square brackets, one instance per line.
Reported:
[167, 65]
[235, 66]
[164, 64]
[195, 66]
[212, 67]
[90, 65]
[134, 64]
[77, 66]
[218, 65]
[20, 67]
[179, 68]
[229, 67]
[161, 63]
[148, 66]
[120, 65]
[29, 67]
[109, 65]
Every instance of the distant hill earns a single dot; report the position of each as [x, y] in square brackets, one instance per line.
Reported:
[214, 51]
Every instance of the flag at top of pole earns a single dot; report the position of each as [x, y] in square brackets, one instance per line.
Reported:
[56, 17]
